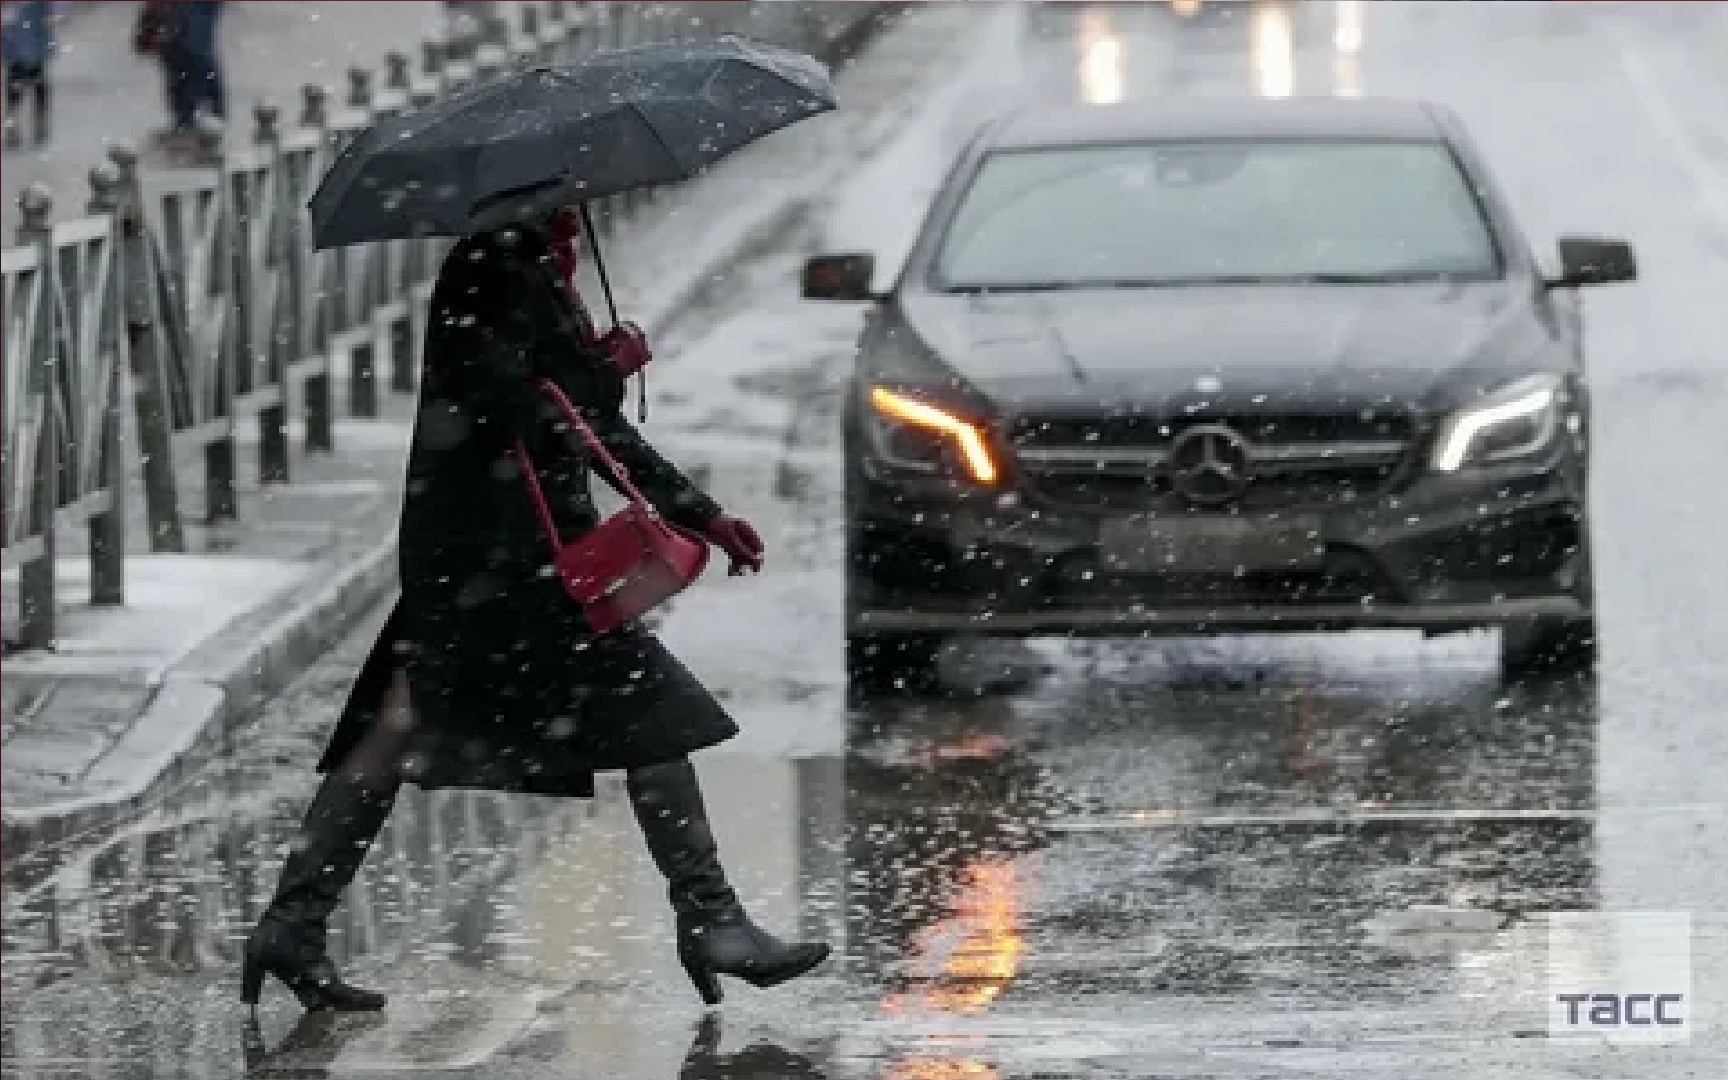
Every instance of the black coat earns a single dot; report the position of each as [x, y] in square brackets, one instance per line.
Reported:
[511, 689]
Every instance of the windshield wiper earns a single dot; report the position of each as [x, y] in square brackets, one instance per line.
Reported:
[1065, 286]
[1375, 279]
[1215, 280]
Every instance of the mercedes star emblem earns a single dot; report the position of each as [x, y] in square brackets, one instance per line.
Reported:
[1209, 465]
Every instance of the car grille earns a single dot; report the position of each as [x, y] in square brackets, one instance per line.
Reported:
[1122, 463]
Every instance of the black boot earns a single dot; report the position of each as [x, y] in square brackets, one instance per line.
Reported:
[288, 942]
[715, 935]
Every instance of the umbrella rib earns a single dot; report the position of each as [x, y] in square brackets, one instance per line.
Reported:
[636, 107]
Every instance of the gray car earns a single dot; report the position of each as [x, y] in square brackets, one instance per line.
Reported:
[1193, 367]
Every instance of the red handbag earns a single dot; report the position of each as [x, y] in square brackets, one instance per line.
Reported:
[633, 561]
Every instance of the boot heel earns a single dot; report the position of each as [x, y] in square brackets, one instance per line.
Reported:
[702, 976]
[251, 980]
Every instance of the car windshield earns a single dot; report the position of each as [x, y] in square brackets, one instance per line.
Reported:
[1216, 212]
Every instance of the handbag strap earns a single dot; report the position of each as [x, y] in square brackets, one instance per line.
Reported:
[530, 476]
[574, 418]
[542, 509]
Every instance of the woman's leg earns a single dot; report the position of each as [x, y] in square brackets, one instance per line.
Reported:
[14, 97]
[215, 87]
[180, 69]
[346, 814]
[42, 99]
[170, 95]
[715, 935]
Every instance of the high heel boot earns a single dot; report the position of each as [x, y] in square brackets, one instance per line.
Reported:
[715, 935]
[289, 940]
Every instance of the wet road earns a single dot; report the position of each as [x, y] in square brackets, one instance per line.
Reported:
[1313, 857]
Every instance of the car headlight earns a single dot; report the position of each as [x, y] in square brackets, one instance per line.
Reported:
[1513, 422]
[915, 433]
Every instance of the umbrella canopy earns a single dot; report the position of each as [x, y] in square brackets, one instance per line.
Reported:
[543, 138]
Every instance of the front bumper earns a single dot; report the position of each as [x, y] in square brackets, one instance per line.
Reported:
[1444, 552]
[1140, 619]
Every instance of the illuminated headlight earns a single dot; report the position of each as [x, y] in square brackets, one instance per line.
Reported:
[1517, 421]
[917, 434]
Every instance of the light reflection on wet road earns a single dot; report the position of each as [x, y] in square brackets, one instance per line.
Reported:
[1302, 857]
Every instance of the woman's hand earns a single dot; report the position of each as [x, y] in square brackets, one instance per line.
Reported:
[628, 348]
[738, 539]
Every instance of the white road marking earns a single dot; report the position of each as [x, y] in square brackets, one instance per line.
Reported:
[1178, 820]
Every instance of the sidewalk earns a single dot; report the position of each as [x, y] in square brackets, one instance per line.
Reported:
[137, 699]
[104, 92]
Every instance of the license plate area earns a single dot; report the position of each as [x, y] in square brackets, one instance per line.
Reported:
[1212, 544]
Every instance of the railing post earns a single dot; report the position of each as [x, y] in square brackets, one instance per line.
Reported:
[212, 136]
[273, 452]
[489, 62]
[108, 528]
[363, 361]
[319, 394]
[424, 90]
[155, 422]
[581, 25]
[36, 593]
[398, 71]
[495, 28]
[522, 51]
[360, 87]
[432, 53]
[533, 44]
[391, 270]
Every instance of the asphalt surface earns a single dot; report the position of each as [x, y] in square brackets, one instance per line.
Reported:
[1241, 858]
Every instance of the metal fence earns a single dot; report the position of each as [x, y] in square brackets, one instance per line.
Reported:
[195, 292]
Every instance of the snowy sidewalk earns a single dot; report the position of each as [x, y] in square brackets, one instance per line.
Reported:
[139, 697]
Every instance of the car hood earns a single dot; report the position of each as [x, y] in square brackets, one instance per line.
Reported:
[1263, 347]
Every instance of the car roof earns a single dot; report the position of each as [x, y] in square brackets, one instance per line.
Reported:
[1041, 127]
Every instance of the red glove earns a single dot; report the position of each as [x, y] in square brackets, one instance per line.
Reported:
[738, 539]
[628, 348]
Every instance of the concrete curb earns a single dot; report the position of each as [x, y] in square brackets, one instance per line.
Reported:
[200, 702]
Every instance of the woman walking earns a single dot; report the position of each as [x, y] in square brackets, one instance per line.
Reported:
[487, 675]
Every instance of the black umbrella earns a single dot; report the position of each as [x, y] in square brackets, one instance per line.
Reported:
[531, 142]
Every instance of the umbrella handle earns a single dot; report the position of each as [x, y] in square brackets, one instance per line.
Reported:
[611, 304]
[599, 263]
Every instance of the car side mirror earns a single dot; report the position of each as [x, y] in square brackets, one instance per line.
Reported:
[839, 277]
[1586, 260]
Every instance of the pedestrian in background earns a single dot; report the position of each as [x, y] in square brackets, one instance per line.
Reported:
[182, 35]
[27, 40]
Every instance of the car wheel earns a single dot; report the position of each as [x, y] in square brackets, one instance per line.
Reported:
[1548, 647]
[881, 664]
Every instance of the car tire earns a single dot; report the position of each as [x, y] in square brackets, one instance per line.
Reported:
[1548, 647]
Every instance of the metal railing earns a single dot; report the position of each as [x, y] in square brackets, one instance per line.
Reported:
[195, 293]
